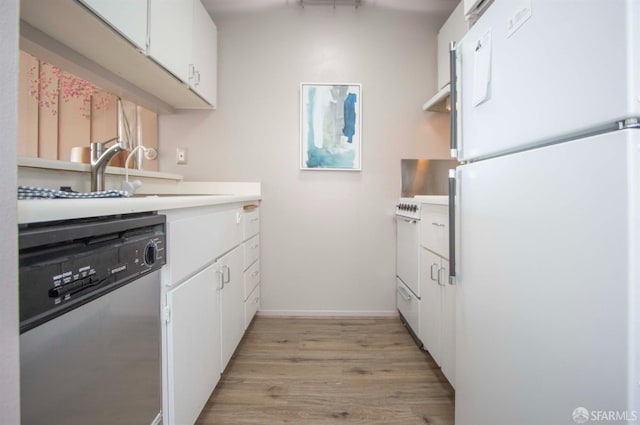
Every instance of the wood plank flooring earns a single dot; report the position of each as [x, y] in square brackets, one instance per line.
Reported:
[330, 371]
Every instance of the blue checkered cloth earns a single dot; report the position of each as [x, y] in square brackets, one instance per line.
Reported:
[31, 192]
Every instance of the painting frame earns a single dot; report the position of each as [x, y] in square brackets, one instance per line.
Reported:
[331, 126]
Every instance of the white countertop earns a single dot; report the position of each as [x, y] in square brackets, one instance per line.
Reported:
[174, 193]
[432, 199]
[40, 210]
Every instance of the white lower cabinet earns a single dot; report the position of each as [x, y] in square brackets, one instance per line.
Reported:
[448, 340]
[251, 263]
[431, 304]
[251, 306]
[251, 292]
[438, 296]
[193, 346]
[210, 288]
[231, 278]
[438, 312]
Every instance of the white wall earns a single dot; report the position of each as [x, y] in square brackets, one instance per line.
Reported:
[9, 372]
[327, 236]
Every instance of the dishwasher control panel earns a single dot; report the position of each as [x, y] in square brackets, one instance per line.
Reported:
[81, 261]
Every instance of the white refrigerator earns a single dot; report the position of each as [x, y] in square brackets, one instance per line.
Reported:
[547, 214]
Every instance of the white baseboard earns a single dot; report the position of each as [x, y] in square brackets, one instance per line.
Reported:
[327, 313]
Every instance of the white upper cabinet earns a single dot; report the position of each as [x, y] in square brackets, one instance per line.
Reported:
[453, 30]
[183, 39]
[145, 48]
[128, 17]
[204, 76]
[170, 35]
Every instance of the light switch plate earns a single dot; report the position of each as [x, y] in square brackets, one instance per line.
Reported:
[181, 156]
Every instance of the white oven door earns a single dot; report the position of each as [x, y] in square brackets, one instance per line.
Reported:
[408, 253]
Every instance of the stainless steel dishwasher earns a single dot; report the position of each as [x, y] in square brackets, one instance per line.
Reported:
[90, 321]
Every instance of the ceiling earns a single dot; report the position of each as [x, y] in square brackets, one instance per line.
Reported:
[436, 7]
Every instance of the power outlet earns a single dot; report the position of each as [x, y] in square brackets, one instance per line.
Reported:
[181, 156]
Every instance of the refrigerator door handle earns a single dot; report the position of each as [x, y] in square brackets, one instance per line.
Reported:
[453, 100]
[452, 227]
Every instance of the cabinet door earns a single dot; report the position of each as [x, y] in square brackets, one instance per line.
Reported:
[193, 346]
[170, 35]
[448, 336]
[430, 304]
[453, 30]
[231, 275]
[128, 17]
[205, 53]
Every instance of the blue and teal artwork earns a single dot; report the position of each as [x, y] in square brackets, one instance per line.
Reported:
[330, 127]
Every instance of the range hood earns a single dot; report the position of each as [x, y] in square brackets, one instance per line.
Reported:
[440, 101]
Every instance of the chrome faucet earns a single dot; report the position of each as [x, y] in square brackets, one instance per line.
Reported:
[100, 158]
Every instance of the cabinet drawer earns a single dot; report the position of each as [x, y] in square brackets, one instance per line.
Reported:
[251, 278]
[251, 223]
[251, 251]
[435, 229]
[196, 238]
[251, 306]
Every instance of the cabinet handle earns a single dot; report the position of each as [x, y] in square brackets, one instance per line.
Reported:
[438, 224]
[256, 300]
[256, 273]
[254, 219]
[403, 293]
[440, 270]
[224, 280]
[432, 266]
[228, 274]
[221, 274]
[255, 246]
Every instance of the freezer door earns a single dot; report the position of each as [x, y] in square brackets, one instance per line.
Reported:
[566, 68]
[548, 283]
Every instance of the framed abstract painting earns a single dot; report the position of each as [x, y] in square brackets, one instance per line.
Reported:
[330, 126]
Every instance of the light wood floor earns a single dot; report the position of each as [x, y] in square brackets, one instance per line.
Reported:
[330, 371]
